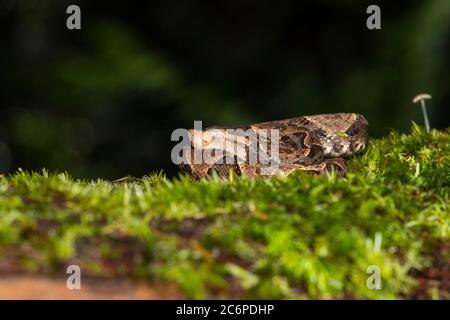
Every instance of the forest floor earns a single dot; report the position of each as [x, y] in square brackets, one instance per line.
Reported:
[300, 236]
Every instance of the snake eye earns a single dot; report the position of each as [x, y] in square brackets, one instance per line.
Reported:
[341, 134]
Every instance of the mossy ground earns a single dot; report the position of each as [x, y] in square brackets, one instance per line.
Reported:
[300, 236]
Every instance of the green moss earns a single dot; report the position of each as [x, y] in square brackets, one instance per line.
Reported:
[300, 236]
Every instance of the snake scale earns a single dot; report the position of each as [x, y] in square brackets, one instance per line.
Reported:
[314, 144]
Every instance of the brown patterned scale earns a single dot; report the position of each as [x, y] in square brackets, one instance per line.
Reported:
[310, 143]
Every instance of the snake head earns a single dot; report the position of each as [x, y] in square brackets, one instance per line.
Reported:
[341, 134]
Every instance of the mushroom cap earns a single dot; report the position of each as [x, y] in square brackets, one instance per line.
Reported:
[422, 96]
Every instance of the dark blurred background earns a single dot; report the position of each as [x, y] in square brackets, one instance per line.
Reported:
[103, 101]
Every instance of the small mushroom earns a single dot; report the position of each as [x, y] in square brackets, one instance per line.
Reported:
[422, 97]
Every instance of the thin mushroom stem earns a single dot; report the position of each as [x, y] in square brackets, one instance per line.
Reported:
[425, 115]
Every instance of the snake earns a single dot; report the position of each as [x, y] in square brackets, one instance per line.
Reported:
[315, 144]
